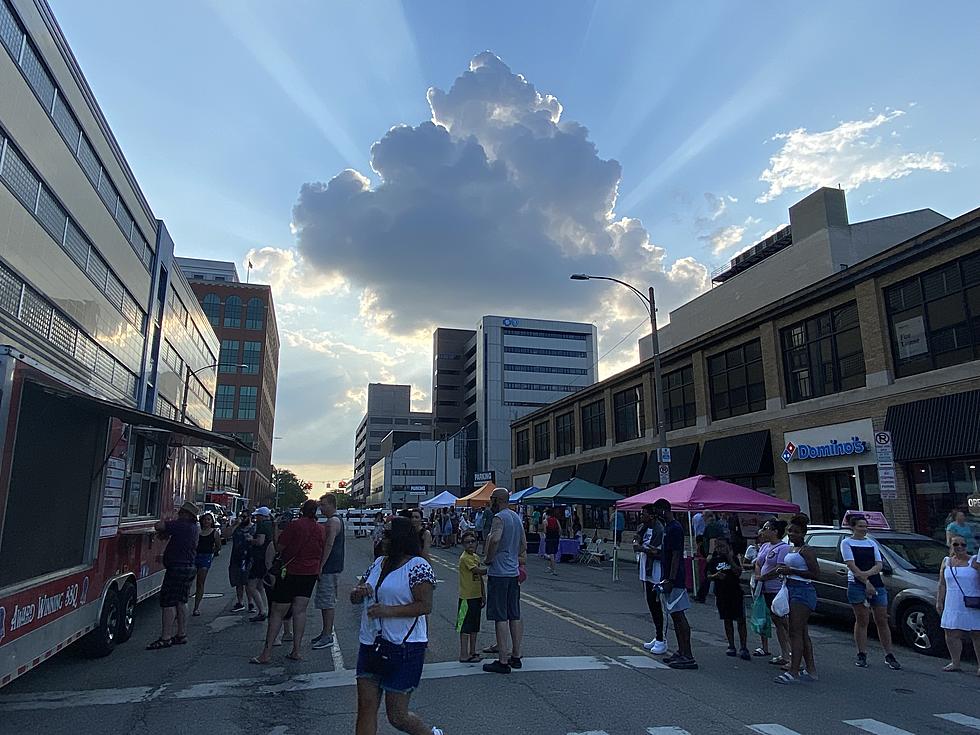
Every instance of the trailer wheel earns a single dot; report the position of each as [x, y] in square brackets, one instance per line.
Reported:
[127, 613]
[102, 640]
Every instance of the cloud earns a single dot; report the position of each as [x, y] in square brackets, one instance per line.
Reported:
[851, 154]
[723, 238]
[289, 276]
[485, 208]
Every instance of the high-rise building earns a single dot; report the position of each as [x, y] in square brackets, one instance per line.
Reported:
[244, 318]
[507, 367]
[389, 409]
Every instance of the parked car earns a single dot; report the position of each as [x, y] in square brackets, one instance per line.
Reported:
[911, 576]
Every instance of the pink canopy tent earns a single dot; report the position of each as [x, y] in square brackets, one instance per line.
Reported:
[702, 492]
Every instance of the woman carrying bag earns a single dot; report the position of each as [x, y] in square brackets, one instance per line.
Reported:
[396, 593]
[958, 601]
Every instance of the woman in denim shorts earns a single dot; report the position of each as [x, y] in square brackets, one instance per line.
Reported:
[799, 569]
[396, 595]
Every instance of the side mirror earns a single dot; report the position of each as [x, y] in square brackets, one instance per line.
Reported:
[886, 568]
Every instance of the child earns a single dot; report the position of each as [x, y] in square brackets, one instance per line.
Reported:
[472, 598]
[725, 570]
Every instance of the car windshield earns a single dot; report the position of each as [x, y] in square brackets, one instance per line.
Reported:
[923, 555]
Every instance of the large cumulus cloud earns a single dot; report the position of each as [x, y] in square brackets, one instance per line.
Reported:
[486, 208]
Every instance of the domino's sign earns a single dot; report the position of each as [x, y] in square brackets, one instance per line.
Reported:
[833, 448]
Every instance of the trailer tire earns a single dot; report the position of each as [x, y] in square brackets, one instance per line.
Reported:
[101, 641]
[127, 613]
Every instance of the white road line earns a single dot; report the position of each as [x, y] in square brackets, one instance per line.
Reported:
[669, 730]
[772, 729]
[965, 720]
[876, 727]
[590, 732]
[642, 662]
[338, 657]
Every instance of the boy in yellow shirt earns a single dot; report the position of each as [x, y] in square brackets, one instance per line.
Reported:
[472, 598]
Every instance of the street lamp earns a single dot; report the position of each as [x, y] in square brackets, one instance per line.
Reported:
[650, 302]
[187, 385]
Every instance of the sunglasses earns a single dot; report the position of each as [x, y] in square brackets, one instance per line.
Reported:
[957, 544]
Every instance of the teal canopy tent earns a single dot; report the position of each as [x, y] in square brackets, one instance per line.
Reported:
[573, 492]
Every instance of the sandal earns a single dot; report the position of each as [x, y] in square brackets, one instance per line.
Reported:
[179, 640]
[159, 643]
[759, 652]
[491, 649]
[778, 661]
[255, 660]
[786, 678]
[196, 614]
[474, 659]
[291, 657]
[951, 667]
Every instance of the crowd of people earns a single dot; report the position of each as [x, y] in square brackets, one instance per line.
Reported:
[276, 569]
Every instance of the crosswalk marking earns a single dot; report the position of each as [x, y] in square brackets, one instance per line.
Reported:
[772, 729]
[966, 721]
[876, 727]
[669, 730]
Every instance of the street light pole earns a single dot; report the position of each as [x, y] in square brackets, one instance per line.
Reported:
[187, 385]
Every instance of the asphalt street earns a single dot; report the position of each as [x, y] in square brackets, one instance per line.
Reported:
[585, 672]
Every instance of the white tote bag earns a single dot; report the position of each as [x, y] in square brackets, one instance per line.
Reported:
[780, 605]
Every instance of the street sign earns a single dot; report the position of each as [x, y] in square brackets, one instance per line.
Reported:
[663, 454]
[887, 483]
[664, 473]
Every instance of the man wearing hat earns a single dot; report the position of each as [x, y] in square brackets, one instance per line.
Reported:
[178, 560]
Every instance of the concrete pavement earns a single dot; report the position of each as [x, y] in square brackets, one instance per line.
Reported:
[585, 673]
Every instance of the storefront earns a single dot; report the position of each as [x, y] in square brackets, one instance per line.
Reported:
[832, 469]
[937, 443]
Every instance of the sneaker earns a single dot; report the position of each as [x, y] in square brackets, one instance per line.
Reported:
[684, 663]
[892, 662]
[671, 658]
[745, 655]
[808, 677]
[515, 662]
[861, 661]
[658, 647]
[730, 651]
[437, 731]
[257, 618]
[495, 667]
[237, 607]
[251, 607]
[323, 643]
[315, 639]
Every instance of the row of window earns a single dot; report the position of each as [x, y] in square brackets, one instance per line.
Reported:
[523, 404]
[196, 388]
[24, 53]
[254, 310]
[543, 387]
[39, 200]
[224, 406]
[399, 422]
[544, 351]
[545, 334]
[545, 369]
[27, 305]
[165, 409]
[403, 472]
[236, 357]
[176, 304]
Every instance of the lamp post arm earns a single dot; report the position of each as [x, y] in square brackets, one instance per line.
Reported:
[639, 294]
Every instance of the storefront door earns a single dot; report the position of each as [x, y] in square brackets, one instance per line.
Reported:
[830, 495]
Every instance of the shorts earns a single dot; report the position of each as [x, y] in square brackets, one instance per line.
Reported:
[858, 593]
[238, 573]
[503, 599]
[677, 600]
[291, 586]
[404, 672]
[258, 568]
[731, 607]
[802, 593]
[326, 592]
[203, 561]
[551, 544]
[176, 588]
[468, 615]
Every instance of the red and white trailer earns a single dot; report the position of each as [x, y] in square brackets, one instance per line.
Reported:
[82, 481]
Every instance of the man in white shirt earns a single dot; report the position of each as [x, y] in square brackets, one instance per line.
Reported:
[648, 543]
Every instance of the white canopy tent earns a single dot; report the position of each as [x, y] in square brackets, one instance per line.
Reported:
[445, 499]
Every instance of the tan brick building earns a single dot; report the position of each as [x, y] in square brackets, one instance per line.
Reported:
[883, 334]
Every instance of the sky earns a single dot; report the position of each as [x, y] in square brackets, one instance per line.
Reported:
[393, 166]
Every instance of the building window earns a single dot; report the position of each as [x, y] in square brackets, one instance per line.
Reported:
[593, 425]
[247, 397]
[212, 309]
[564, 434]
[545, 369]
[823, 355]
[680, 409]
[550, 387]
[737, 382]
[522, 447]
[224, 404]
[939, 487]
[254, 314]
[228, 360]
[628, 414]
[251, 357]
[233, 312]
[934, 317]
[542, 442]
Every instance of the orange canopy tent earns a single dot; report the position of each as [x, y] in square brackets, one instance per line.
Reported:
[479, 498]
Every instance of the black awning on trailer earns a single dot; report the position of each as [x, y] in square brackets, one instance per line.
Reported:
[936, 428]
[561, 474]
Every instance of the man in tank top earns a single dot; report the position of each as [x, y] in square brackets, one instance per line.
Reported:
[331, 567]
[505, 555]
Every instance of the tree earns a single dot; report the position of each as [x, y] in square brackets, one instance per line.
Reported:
[290, 490]
[344, 501]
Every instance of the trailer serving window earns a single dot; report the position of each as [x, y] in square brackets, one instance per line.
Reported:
[146, 464]
[57, 462]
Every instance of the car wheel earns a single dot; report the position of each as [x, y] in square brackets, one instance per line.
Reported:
[127, 613]
[101, 641]
[919, 624]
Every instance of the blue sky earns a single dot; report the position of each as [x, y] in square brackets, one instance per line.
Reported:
[720, 115]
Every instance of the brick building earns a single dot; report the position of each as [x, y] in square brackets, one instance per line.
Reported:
[244, 318]
[884, 334]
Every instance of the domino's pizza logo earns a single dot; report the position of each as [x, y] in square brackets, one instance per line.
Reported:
[788, 452]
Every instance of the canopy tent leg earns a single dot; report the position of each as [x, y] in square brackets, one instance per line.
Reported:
[695, 577]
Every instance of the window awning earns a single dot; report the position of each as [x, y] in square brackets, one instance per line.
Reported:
[737, 456]
[683, 461]
[591, 471]
[936, 428]
[177, 433]
[561, 474]
[626, 470]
